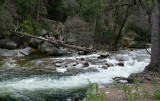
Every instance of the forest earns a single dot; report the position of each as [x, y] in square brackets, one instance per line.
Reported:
[79, 50]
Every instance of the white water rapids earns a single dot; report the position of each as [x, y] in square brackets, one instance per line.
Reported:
[22, 86]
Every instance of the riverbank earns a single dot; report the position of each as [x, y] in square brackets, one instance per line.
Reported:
[146, 87]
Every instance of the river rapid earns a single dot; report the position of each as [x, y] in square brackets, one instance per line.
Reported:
[58, 78]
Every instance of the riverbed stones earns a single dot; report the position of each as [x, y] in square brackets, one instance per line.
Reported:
[8, 44]
[105, 67]
[104, 56]
[48, 48]
[58, 65]
[86, 64]
[109, 64]
[120, 64]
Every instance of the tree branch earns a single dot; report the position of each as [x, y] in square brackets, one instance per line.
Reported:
[146, 9]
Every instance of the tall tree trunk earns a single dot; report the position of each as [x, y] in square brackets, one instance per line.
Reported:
[155, 36]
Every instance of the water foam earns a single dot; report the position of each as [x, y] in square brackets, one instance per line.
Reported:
[103, 76]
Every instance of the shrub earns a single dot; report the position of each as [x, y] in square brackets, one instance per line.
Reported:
[93, 91]
[6, 21]
[29, 26]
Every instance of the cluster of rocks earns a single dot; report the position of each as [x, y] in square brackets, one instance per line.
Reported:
[9, 48]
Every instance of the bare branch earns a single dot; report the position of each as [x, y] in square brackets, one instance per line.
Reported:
[146, 9]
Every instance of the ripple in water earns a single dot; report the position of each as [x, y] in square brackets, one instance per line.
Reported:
[57, 82]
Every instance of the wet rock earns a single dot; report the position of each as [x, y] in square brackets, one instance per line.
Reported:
[109, 64]
[8, 44]
[121, 59]
[58, 65]
[21, 52]
[33, 43]
[105, 67]
[121, 64]
[48, 48]
[81, 58]
[76, 98]
[82, 53]
[92, 69]
[75, 64]
[69, 99]
[44, 32]
[104, 56]
[86, 64]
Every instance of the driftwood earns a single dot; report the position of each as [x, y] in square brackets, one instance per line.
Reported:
[56, 42]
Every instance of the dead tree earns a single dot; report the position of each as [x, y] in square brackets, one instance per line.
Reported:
[56, 42]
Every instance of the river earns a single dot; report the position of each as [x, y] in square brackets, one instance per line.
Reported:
[58, 78]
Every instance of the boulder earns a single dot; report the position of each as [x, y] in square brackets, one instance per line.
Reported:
[104, 56]
[33, 43]
[58, 65]
[8, 44]
[109, 64]
[86, 64]
[121, 64]
[20, 52]
[105, 67]
[48, 48]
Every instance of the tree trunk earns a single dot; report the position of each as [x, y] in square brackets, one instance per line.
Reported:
[155, 36]
[56, 42]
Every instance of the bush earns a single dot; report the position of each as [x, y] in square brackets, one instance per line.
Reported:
[6, 21]
[89, 9]
[93, 90]
[142, 33]
[29, 26]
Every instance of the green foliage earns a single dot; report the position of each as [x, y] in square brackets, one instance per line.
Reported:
[142, 33]
[29, 26]
[26, 7]
[149, 2]
[2, 1]
[90, 9]
[133, 96]
[56, 10]
[6, 21]
[157, 94]
[146, 91]
[43, 99]
[46, 24]
[93, 90]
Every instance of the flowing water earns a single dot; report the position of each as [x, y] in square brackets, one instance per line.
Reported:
[57, 78]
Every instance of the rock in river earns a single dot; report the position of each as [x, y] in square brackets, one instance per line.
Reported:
[49, 48]
[120, 64]
[8, 44]
[20, 52]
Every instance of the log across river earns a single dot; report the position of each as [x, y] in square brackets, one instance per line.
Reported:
[58, 78]
[56, 42]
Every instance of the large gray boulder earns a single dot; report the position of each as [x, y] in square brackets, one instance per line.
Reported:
[48, 48]
[8, 44]
[17, 52]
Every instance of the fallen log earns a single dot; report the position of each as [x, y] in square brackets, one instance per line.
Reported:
[56, 42]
